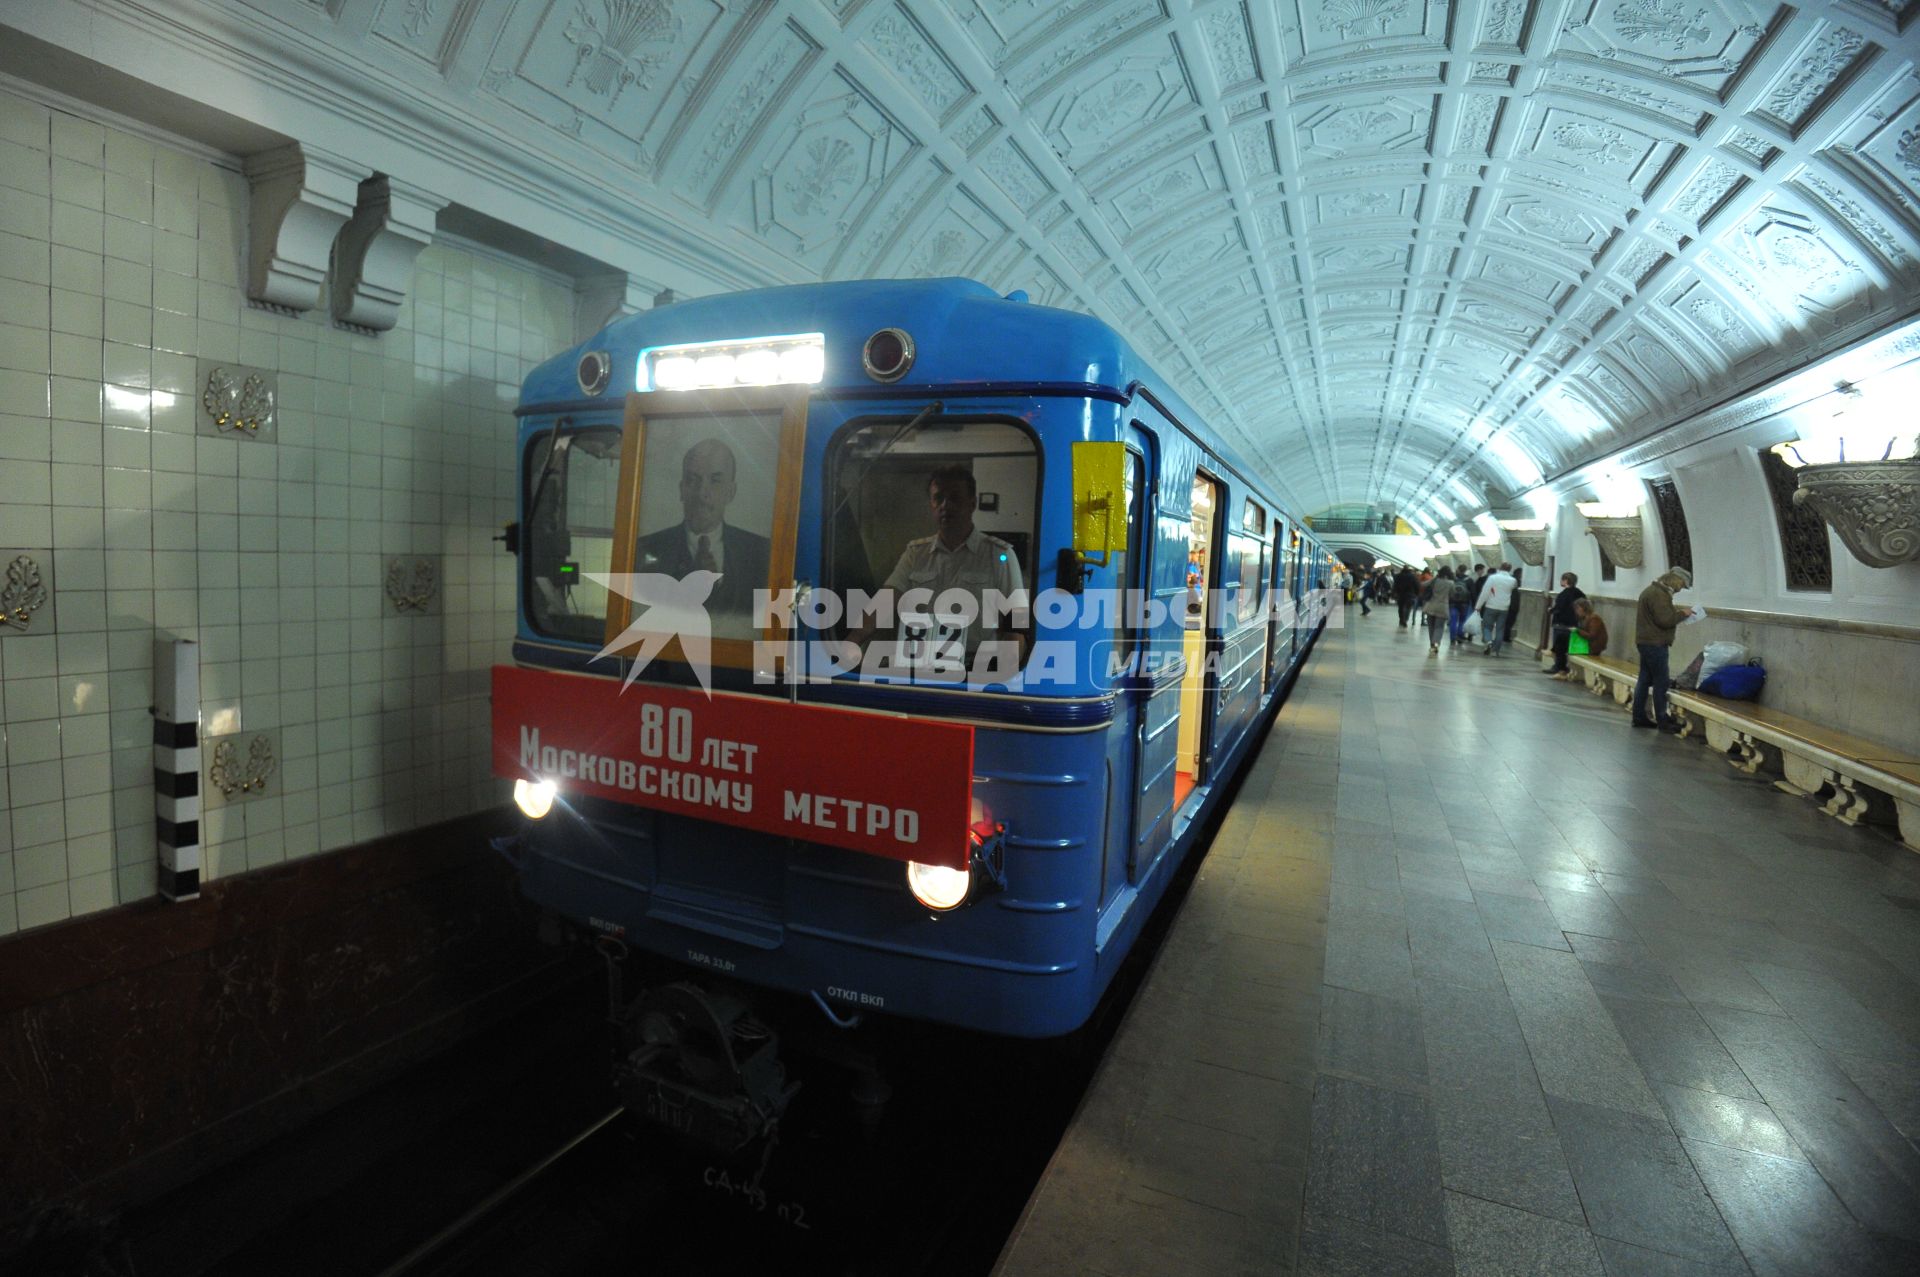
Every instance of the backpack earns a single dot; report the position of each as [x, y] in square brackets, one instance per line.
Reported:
[1736, 682]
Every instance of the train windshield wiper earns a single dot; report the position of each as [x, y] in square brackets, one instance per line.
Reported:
[556, 447]
[906, 428]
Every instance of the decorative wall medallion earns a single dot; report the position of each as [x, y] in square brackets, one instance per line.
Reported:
[233, 777]
[1624, 540]
[24, 594]
[1873, 506]
[237, 401]
[412, 584]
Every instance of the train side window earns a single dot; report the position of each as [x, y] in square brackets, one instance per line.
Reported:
[944, 505]
[572, 481]
[1252, 551]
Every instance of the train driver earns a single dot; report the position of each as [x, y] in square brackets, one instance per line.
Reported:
[958, 556]
[704, 541]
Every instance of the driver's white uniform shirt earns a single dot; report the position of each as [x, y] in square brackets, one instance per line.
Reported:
[981, 563]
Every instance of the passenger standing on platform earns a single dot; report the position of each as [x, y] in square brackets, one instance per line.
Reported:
[1366, 594]
[1406, 590]
[1564, 620]
[1496, 598]
[1465, 596]
[1438, 605]
[1653, 626]
[1513, 612]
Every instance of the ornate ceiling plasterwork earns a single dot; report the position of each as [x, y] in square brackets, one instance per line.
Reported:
[1393, 244]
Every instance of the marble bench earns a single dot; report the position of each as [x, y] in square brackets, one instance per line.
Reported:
[1813, 759]
[1607, 674]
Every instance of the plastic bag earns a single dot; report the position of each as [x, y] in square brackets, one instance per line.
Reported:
[1719, 655]
[1471, 627]
[1577, 644]
[1736, 682]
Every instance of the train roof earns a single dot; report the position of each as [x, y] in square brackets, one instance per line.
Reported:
[959, 327]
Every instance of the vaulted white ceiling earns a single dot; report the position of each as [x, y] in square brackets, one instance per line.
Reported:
[1402, 246]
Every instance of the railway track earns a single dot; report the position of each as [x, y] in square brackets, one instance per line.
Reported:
[496, 1159]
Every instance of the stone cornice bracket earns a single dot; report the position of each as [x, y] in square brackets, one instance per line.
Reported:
[1874, 507]
[1624, 540]
[1530, 546]
[600, 299]
[373, 262]
[301, 198]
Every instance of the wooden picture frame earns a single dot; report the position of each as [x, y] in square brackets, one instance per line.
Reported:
[690, 418]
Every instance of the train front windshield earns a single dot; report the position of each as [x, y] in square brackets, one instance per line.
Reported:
[947, 507]
[572, 482]
[706, 488]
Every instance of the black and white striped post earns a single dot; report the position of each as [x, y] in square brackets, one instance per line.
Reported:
[176, 765]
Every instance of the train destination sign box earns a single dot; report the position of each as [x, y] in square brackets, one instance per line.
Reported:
[877, 783]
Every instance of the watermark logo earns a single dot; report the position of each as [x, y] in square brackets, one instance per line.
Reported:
[675, 608]
[954, 636]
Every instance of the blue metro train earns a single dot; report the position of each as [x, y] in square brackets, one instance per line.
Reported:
[779, 791]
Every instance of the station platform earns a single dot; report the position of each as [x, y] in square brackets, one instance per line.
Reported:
[1477, 979]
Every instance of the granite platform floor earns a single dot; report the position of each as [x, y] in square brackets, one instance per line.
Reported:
[1477, 979]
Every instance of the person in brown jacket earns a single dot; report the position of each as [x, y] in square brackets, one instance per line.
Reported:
[1653, 628]
[1588, 624]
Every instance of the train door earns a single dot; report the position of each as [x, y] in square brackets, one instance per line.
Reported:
[1276, 601]
[1155, 696]
[1291, 570]
[1133, 679]
[1201, 646]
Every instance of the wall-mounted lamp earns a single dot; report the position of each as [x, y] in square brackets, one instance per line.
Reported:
[1858, 471]
[1616, 526]
[1528, 537]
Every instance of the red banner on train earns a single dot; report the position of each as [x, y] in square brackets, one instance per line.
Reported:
[888, 786]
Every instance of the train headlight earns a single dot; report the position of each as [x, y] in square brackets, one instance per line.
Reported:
[793, 359]
[534, 797]
[938, 887]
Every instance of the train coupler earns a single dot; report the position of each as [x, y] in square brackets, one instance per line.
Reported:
[700, 1065]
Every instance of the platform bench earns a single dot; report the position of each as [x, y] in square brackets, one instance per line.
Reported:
[1606, 674]
[1814, 760]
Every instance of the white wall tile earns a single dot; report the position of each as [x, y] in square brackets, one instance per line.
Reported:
[395, 444]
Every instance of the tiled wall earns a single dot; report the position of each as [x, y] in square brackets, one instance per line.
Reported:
[121, 261]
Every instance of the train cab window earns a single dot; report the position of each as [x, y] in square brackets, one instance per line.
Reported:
[929, 512]
[572, 479]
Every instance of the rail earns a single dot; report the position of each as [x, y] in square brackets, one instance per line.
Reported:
[412, 1260]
